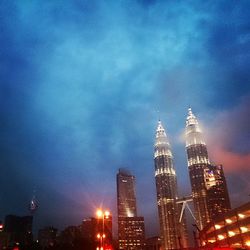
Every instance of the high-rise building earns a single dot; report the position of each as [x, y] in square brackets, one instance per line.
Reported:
[217, 193]
[208, 184]
[126, 200]
[131, 231]
[198, 162]
[172, 233]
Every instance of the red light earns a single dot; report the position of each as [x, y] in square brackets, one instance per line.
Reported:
[223, 248]
[108, 248]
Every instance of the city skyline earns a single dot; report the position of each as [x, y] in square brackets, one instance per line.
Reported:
[81, 84]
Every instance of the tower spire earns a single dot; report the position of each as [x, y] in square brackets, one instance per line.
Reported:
[166, 187]
[198, 162]
[191, 118]
[210, 197]
[162, 146]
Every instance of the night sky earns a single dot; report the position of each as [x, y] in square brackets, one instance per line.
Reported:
[83, 83]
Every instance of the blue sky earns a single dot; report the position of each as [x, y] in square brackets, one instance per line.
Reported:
[81, 84]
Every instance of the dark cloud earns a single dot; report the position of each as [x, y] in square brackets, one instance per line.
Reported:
[230, 129]
[228, 137]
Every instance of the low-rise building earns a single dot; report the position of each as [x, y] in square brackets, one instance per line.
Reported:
[231, 229]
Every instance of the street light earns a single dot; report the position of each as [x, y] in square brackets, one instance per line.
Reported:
[102, 215]
[101, 238]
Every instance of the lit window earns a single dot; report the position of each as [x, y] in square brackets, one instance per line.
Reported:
[241, 216]
[220, 237]
[211, 241]
[217, 226]
[243, 229]
[231, 233]
[228, 221]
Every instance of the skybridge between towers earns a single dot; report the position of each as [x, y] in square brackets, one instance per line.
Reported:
[184, 201]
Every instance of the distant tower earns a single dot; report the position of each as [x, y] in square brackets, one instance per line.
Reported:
[209, 190]
[33, 205]
[166, 188]
[131, 230]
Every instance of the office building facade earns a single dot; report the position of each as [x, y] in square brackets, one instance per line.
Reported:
[131, 231]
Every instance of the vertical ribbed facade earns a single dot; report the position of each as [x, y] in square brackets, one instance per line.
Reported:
[166, 188]
[208, 183]
[198, 163]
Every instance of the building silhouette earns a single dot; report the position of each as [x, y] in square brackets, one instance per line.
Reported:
[208, 183]
[131, 230]
[47, 236]
[153, 243]
[93, 228]
[18, 230]
[172, 232]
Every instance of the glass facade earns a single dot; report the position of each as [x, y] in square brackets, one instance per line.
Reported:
[171, 231]
[131, 231]
[208, 183]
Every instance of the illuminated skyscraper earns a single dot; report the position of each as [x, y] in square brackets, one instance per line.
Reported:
[126, 200]
[209, 190]
[217, 193]
[198, 162]
[171, 231]
[131, 231]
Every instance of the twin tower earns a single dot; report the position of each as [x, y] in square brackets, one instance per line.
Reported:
[208, 184]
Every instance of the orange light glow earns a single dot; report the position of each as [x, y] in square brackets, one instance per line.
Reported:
[99, 213]
[211, 241]
[243, 229]
[241, 215]
[106, 213]
[220, 237]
